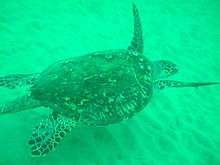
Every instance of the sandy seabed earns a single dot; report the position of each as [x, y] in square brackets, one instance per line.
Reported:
[179, 126]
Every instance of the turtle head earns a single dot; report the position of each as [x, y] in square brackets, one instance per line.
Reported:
[163, 69]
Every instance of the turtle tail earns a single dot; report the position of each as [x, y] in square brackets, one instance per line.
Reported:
[17, 80]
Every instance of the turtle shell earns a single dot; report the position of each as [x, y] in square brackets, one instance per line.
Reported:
[97, 89]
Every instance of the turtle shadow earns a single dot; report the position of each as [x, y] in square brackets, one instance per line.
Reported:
[89, 145]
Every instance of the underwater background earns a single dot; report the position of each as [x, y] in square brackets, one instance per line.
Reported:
[178, 127]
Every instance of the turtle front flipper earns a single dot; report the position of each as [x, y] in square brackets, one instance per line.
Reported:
[137, 43]
[161, 84]
[163, 69]
[17, 80]
[49, 133]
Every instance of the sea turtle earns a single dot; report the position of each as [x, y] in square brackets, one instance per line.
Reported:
[97, 89]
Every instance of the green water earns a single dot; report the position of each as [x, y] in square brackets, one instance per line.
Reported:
[179, 126]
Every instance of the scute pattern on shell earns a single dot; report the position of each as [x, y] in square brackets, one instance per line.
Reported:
[96, 89]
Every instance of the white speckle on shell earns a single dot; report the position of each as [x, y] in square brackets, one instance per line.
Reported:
[141, 65]
[109, 56]
[66, 98]
[141, 59]
[110, 99]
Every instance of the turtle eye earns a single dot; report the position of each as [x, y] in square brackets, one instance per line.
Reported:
[170, 68]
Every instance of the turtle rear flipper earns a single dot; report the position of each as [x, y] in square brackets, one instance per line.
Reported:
[48, 134]
[19, 104]
[17, 80]
[161, 84]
